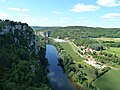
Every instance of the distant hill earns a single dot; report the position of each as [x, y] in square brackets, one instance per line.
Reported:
[41, 28]
[84, 32]
[37, 27]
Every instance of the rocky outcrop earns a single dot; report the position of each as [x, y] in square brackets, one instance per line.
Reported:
[23, 65]
[21, 31]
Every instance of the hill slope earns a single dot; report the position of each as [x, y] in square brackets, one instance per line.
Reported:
[22, 60]
[74, 32]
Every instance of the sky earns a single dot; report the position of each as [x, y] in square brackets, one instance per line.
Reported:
[93, 13]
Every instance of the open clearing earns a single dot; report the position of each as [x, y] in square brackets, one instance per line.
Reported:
[109, 39]
[109, 81]
[68, 48]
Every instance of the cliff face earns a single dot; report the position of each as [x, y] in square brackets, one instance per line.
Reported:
[22, 62]
[20, 32]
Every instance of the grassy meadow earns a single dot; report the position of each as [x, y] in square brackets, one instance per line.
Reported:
[69, 48]
[109, 39]
[109, 81]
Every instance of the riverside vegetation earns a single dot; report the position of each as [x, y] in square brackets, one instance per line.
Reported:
[90, 56]
[99, 45]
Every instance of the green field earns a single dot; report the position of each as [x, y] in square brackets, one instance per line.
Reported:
[109, 81]
[109, 39]
[69, 49]
[113, 51]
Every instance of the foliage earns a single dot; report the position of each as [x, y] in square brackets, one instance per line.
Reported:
[20, 67]
[107, 58]
[96, 47]
[78, 72]
[74, 32]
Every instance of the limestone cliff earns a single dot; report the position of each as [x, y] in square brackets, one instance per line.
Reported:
[22, 62]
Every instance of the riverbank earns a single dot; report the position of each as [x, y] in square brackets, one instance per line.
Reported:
[77, 86]
[57, 77]
[81, 73]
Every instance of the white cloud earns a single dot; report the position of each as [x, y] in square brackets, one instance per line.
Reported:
[56, 12]
[111, 15]
[116, 22]
[18, 9]
[109, 3]
[25, 10]
[64, 19]
[44, 19]
[87, 21]
[13, 9]
[84, 8]
[25, 15]
[33, 21]
[28, 19]
[2, 0]
[4, 15]
[51, 74]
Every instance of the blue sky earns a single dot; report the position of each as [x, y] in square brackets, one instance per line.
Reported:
[95, 13]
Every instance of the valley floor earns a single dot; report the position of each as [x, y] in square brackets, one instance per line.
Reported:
[87, 60]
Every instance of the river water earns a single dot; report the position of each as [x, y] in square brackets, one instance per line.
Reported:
[58, 79]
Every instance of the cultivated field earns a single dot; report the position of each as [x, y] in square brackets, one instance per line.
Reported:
[109, 39]
[69, 48]
[109, 81]
[113, 51]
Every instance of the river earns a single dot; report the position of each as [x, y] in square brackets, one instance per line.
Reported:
[58, 79]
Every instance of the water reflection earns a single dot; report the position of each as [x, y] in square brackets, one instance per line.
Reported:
[57, 77]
